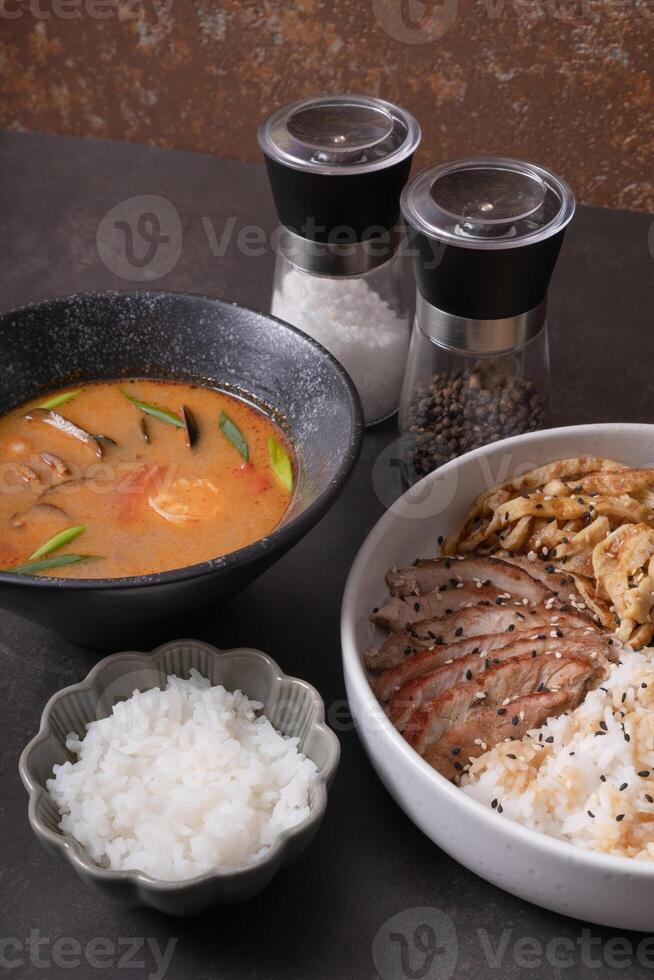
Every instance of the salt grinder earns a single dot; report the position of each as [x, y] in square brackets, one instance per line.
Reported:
[337, 166]
[484, 235]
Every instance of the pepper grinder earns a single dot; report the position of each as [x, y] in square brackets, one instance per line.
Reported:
[485, 235]
[337, 166]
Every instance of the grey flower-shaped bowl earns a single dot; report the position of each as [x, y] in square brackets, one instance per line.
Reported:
[292, 706]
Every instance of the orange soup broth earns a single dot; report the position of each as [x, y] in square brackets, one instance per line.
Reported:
[146, 506]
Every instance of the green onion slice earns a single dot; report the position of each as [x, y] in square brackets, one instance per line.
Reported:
[281, 463]
[57, 542]
[232, 432]
[58, 400]
[157, 413]
[46, 564]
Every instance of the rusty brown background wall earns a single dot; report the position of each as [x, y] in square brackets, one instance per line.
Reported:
[566, 83]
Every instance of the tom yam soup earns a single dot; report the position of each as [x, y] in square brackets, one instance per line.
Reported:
[132, 477]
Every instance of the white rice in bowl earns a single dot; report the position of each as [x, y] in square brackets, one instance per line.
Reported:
[588, 776]
[181, 781]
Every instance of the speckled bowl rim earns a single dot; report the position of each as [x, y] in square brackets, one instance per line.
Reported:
[74, 852]
[294, 529]
[352, 655]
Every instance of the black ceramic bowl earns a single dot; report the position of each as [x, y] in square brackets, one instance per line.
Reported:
[109, 335]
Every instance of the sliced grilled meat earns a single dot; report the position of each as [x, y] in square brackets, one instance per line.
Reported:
[485, 728]
[546, 573]
[478, 621]
[445, 573]
[505, 681]
[400, 612]
[434, 682]
[419, 662]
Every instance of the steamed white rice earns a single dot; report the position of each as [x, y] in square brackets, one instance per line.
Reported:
[181, 781]
[588, 776]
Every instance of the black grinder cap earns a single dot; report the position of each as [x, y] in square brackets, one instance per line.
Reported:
[486, 234]
[337, 165]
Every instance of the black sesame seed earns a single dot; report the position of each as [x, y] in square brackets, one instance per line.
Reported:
[416, 606]
[603, 726]
[510, 755]
[620, 817]
[644, 773]
[501, 711]
[590, 814]
[500, 808]
[468, 675]
[623, 787]
[650, 799]
[448, 612]
[550, 738]
[510, 628]
[494, 804]
[627, 737]
[603, 778]
[440, 539]
[515, 720]
[442, 588]
[456, 750]
[458, 631]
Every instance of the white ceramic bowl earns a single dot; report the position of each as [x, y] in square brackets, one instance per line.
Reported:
[609, 890]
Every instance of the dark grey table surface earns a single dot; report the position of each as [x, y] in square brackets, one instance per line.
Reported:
[319, 918]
